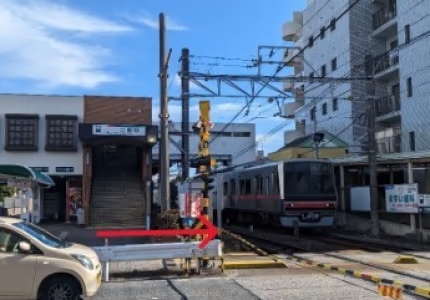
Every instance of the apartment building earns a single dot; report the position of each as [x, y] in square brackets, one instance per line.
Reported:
[387, 31]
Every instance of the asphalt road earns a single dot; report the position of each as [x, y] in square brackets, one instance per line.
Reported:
[179, 289]
[280, 284]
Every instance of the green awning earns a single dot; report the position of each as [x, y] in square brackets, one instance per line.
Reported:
[20, 171]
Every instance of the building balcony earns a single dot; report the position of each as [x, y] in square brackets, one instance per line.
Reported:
[389, 144]
[386, 66]
[389, 140]
[388, 108]
[289, 110]
[292, 30]
[384, 23]
[288, 86]
[298, 132]
[299, 93]
[292, 57]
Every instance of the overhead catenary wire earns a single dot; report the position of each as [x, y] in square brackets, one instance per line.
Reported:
[279, 69]
[357, 118]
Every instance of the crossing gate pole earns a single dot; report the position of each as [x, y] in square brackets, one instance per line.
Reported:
[204, 162]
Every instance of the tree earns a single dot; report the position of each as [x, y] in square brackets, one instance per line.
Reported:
[6, 191]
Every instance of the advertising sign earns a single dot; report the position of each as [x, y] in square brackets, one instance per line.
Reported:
[118, 130]
[402, 198]
[190, 205]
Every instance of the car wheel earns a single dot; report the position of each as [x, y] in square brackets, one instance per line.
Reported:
[61, 288]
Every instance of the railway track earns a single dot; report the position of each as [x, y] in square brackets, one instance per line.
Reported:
[283, 244]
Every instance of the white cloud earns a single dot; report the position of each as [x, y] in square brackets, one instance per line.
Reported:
[150, 21]
[39, 45]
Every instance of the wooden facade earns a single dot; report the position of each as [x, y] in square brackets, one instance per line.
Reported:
[114, 110]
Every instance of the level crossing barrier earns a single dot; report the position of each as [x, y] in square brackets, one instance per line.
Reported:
[139, 252]
[208, 247]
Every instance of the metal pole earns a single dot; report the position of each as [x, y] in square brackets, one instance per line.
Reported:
[185, 83]
[164, 121]
[373, 168]
[316, 144]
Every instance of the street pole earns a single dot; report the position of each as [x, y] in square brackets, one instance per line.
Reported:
[373, 165]
[316, 144]
[373, 168]
[185, 97]
[164, 173]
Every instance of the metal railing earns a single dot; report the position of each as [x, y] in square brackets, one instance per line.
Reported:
[385, 60]
[383, 16]
[387, 105]
[391, 144]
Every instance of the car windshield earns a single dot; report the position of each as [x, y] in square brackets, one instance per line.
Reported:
[41, 235]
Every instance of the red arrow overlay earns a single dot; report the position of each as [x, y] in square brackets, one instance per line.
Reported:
[210, 231]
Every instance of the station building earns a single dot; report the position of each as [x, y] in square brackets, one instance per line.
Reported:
[100, 151]
[93, 147]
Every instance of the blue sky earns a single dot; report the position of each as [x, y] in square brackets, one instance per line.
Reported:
[110, 47]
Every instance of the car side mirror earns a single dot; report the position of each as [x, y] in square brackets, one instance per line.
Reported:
[24, 247]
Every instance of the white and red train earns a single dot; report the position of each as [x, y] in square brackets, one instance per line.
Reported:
[286, 193]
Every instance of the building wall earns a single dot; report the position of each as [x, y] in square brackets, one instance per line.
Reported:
[119, 110]
[222, 145]
[335, 44]
[41, 105]
[415, 63]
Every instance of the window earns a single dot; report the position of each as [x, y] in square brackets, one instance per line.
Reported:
[409, 87]
[332, 24]
[324, 109]
[266, 185]
[311, 77]
[312, 113]
[225, 188]
[412, 140]
[41, 235]
[259, 185]
[335, 104]
[61, 133]
[21, 132]
[322, 32]
[232, 187]
[323, 71]
[241, 134]
[407, 34]
[311, 41]
[334, 64]
[275, 184]
[308, 179]
[245, 187]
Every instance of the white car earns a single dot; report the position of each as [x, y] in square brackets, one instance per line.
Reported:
[36, 265]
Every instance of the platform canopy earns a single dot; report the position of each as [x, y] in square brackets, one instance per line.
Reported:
[25, 173]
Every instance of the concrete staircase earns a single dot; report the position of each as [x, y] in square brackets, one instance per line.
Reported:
[117, 199]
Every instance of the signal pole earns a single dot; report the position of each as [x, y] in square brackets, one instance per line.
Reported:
[204, 162]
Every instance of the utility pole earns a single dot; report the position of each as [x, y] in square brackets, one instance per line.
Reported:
[316, 143]
[164, 173]
[373, 165]
[185, 97]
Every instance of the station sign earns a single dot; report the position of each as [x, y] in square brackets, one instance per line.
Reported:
[118, 130]
[402, 198]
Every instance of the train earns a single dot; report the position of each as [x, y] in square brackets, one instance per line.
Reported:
[293, 193]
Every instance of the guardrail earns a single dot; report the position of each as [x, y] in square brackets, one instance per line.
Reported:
[184, 250]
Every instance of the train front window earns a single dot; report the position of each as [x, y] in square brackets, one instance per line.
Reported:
[308, 178]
